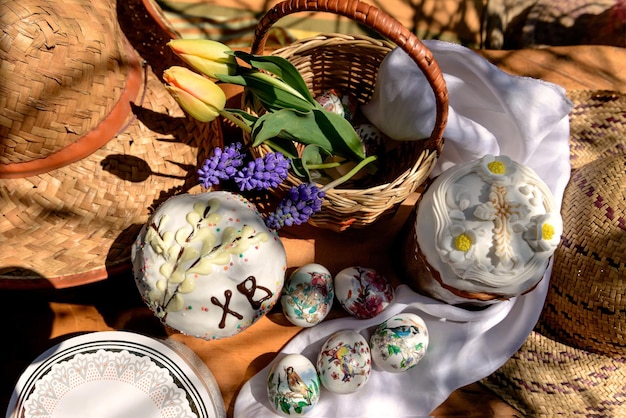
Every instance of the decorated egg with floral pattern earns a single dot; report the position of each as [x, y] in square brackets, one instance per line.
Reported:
[307, 295]
[399, 343]
[362, 291]
[341, 104]
[344, 363]
[293, 386]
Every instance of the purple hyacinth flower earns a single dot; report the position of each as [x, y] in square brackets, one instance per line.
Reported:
[263, 173]
[297, 207]
[222, 165]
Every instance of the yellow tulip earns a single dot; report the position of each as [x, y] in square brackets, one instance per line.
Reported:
[200, 97]
[205, 56]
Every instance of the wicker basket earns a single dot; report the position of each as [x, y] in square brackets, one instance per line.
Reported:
[349, 64]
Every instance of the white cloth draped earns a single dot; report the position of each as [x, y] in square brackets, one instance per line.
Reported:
[490, 112]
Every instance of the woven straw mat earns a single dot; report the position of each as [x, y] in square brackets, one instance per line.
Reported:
[90, 142]
[574, 362]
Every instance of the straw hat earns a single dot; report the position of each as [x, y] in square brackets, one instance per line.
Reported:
[574, 363]
[90, 141]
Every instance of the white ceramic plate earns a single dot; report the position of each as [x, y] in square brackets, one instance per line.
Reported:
[116, 374]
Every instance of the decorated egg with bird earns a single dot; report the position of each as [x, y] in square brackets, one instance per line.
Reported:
[293, 386]
[399, 343]
[344, 363]
[307, 295]
[362, 292]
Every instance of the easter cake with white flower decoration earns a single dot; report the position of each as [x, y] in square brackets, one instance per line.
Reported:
[207, 265]
[484, 231]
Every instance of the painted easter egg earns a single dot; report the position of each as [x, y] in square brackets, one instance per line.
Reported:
[307, 295]
[341, 104]
[344, 363]
[293, 387]
[331, 102]
[399, 343]
[371, 138]
[362, 291]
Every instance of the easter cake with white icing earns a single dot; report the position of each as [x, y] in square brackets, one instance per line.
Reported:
[484, 231]
[207, 265]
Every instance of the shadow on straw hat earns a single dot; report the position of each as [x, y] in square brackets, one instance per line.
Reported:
[69, 217]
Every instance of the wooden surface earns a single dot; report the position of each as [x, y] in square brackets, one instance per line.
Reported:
[35, 320]
[584, 67]
[38, 319]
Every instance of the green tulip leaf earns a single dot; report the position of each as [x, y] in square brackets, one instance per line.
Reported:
[312, 157]
[274, 94]
[329, 131]
[246, 117]
[281, 68]
[284, 146]
[298, 169]
[341, 132]
[292, 125]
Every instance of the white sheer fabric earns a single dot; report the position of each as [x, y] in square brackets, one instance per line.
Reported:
[490, 112]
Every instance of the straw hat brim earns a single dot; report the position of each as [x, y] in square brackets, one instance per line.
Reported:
[548, 378]
[75, 224]
[574, 363]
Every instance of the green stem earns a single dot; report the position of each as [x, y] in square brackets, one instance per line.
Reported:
[349, 174]
[326, 165]
[234, 119]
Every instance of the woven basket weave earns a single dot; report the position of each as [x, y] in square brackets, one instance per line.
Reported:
[90, 140]
[47, 110]
[586, 303]
[574, 363]
[349, 64]
[597, 125]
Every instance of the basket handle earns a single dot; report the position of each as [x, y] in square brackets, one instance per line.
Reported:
[382, 23]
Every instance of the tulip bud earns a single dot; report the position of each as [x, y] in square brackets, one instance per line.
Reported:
[200, 97]
[207, 57]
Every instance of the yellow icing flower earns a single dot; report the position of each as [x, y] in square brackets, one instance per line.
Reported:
[543, 233]
[497, 167]
[463, 242]
[460, 248]
[500, 169]
[547, 231]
